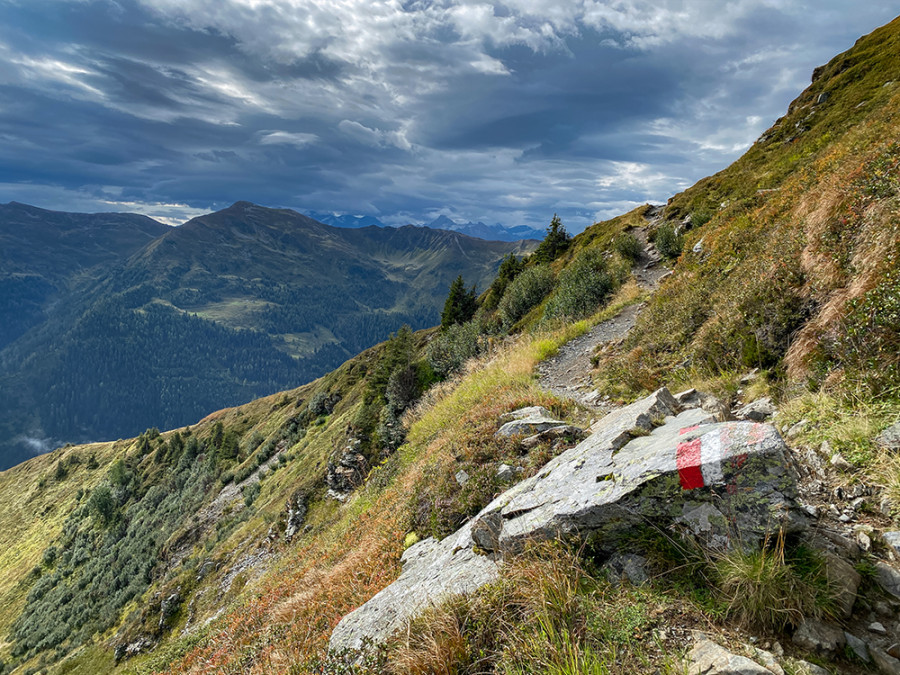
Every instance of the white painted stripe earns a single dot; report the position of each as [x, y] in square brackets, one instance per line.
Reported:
[711, 458]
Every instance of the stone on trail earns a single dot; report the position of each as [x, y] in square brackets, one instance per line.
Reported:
[722, 483]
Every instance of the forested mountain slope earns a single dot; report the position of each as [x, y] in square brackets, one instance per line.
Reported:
[118, 323]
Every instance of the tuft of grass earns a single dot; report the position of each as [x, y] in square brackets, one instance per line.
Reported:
[545, 614]
[773, 588]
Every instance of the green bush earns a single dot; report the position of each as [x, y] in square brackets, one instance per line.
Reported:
[628, 246]
[526, 291]
[453, 347]
[583, 285]
[251, 492]
[667, 242]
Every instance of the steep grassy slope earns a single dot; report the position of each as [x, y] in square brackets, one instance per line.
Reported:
[788, 264]
[228, 307]
[791, 256]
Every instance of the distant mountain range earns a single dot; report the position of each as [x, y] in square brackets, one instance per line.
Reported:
[496, 232]
[113, 323]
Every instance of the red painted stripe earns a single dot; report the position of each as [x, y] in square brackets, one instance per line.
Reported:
[682, 432]
[687, 459]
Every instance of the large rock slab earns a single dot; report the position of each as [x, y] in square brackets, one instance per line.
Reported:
[724, 483]
[717, 481]
[432, 572]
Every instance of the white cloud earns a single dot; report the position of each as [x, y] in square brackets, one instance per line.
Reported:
[287, 138]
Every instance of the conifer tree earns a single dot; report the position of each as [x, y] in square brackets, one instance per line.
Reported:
[555, 242]
[460, 305]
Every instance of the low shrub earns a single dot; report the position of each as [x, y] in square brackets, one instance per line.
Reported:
[582, 286]
[628, 246]
[525, 292]
[667, 242]
[449, 350]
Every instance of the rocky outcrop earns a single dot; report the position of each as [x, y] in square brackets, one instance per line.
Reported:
[720, 482]
[295, 515]
[724, 484]
[347, 472]
[432, 571]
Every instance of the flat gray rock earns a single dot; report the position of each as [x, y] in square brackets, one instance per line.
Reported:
[708, 658]
[528, 421]
[432, 572]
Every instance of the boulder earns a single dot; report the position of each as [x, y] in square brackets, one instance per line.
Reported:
[527, 421]
[689, 398]
[432, 572]
[888, 578]
[889, 439]
[844, 580]
[505, 472]
[718, 481]
[885, 663]
[819, 638]
[295, 515]
[708, 658]
[348, 471]
[758, 411]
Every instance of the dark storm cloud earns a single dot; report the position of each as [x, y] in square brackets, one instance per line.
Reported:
[506, 111]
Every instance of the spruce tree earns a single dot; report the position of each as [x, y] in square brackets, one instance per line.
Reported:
[460, 305]
[555, 242]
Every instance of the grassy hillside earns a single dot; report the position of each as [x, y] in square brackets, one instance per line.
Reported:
[171, 552]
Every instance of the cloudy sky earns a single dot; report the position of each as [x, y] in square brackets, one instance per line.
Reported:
[403, 109]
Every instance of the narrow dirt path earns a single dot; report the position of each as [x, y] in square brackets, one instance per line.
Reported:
[568, 373]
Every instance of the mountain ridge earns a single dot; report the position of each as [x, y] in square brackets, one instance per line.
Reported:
[294, 296]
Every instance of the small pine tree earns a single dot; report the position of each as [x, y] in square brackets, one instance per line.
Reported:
[509, 270]
[555, 242]
[460, 305]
